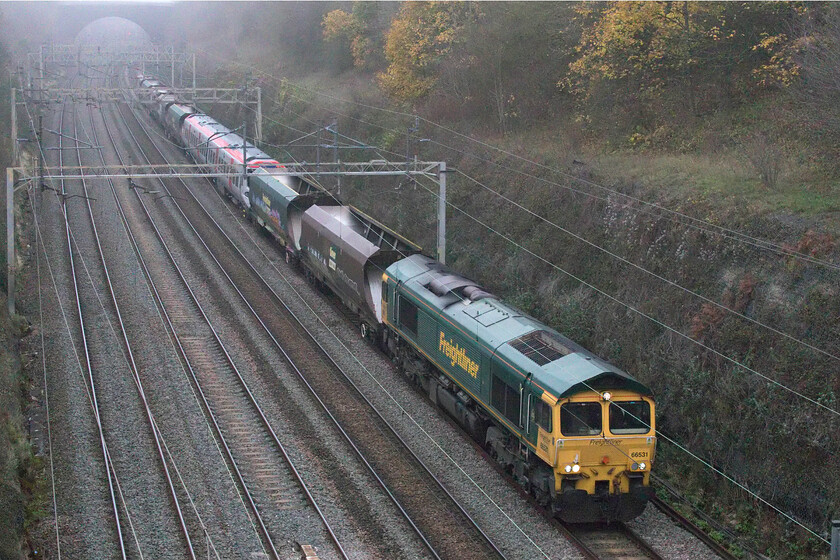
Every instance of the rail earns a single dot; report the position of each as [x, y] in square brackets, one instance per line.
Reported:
[203, 392]
[313, 340]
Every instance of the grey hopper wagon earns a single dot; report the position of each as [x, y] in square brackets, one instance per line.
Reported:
[175, 115]
[349, 251]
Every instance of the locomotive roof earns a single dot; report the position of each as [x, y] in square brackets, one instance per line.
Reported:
[557, 364]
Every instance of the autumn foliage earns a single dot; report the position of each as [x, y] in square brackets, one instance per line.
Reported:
[624, 67]
[421, 35]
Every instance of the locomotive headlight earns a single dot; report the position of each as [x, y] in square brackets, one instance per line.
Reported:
[568, 468]
[575, 468]
[634, 467]
[642, 466]
[606, 395]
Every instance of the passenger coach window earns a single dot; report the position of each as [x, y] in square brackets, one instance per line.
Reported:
[630, 417]
[408, 315]
[580, 419]
[541, 415]
[505, 399]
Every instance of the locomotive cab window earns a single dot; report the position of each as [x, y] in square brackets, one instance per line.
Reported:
[580, 419]
[408, 315]
[541, 415]
[630, 417]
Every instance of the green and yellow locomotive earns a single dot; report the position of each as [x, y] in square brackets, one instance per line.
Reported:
[576, 431]
[573, 429]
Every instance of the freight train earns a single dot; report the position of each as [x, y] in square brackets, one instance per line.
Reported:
[577, 432]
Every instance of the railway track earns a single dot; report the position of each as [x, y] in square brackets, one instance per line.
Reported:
[139, 507]
[612, 541]
[85, 347]
[269, 481]
[615, 541]
[442, 523]
[692, 528]
[127, 343]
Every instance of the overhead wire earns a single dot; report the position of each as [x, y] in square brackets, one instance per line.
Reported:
[684, 449]
[666, 280]
[108, 460]
[46, 384]
[211, 435]
[707, 226]
[659, 433]
[639, 267]
[708, 300]
[782, 249]
[526, 536]
[385, 390]
[633, 308]
[670, 282]
[715, 469]
[413, 420]
[599, 430]
[650, 272]
[129, 363]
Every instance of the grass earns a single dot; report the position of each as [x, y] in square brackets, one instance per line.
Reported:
[720, 182]
[712, 174]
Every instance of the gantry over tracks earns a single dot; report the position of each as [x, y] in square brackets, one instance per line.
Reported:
[45, 176]
[318, 372]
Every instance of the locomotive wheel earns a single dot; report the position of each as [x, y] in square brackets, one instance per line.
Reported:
[364, 330]
[288, 258]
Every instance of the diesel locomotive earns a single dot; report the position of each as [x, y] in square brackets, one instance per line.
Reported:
[574, 430]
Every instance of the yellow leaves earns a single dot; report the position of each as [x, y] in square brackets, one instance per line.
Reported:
[781, 69]
[338, 24]
[660, 47]
[419, 37]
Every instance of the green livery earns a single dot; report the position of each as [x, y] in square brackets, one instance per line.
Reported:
[502, 358]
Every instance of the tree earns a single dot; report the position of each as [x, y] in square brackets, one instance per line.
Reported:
[817, 92]
[502, 69]
[421, 35]
[362, 30]
[652, 61]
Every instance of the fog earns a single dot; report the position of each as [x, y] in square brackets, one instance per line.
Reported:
[278, 34]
